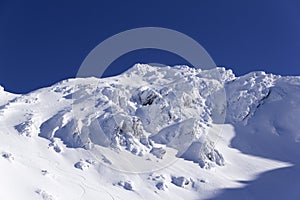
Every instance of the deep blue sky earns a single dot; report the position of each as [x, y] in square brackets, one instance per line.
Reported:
[42, 42]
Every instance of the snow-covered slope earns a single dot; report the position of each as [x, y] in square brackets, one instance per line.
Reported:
[149, 133]
[5, 96]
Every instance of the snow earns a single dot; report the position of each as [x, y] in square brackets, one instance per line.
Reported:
[172, 133]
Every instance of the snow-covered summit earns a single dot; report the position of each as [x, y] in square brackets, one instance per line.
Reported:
[173, 106]
[144, 109]
[153, 116]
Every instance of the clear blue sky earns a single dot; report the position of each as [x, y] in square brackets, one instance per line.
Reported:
[42, 42]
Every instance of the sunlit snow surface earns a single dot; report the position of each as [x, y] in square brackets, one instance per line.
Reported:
[153, 133]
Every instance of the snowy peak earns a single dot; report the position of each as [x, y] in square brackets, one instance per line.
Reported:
[126, 112]
[180, 132]
[146, 108]
[180, 71]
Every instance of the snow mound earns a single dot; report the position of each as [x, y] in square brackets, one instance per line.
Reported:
[44, 195]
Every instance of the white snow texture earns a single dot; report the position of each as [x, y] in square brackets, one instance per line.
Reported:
[153, 133]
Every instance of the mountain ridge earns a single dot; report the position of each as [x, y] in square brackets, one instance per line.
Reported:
[167, 116]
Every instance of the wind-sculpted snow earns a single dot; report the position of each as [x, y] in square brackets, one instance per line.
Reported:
[271, 115]
[146, 105]
[144, 120]
[246, 93]
[137, 109]
[265, 101]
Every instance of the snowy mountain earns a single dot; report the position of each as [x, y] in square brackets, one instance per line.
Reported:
[153, 133]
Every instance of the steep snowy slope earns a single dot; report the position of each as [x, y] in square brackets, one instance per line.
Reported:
[266, 108]
[149, 133]
[265, 114]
